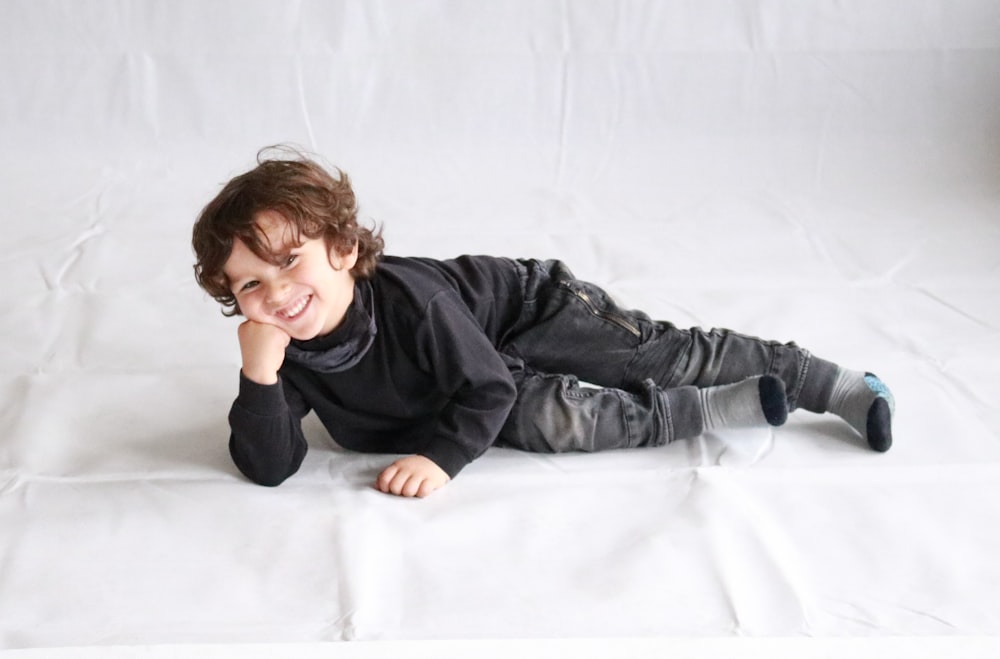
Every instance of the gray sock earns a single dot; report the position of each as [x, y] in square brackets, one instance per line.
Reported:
[757, 401]
[866, 404]
[753, 402]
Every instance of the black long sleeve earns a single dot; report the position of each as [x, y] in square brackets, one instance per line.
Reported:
[266, 442]
[480, 389]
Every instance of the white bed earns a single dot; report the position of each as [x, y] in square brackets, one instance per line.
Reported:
[826, 172]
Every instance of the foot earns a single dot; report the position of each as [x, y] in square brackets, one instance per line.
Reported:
[866, 403]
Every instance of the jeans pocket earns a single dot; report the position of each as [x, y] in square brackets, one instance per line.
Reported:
[597, 302]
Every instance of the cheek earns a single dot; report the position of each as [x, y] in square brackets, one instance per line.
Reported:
[250, 308]
[311, 277]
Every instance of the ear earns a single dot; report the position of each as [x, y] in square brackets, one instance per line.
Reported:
[344, 261]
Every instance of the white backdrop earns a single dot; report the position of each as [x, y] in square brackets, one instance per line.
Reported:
[822, 171]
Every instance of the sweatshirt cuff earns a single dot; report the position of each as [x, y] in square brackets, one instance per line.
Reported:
[446, 455]
[261, 399]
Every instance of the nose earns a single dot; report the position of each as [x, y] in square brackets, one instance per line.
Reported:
[277, 292]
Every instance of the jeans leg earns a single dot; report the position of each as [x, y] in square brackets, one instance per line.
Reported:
[721, 356]
[554, 414]
[572, 326]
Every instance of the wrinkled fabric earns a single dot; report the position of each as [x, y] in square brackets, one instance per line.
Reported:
[821, 172]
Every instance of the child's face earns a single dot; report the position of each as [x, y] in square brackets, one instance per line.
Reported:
[306, 296]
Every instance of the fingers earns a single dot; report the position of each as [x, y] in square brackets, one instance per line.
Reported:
[426, 488]
[402, 483]
[406, 479]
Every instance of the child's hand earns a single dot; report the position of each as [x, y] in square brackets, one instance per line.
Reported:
[413, 476]
[263, 349]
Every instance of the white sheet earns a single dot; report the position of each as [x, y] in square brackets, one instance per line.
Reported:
[824, 172]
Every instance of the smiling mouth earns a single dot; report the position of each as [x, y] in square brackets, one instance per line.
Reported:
[293, 311]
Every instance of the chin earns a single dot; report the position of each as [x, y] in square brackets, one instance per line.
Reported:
[307, 333]
[304, 335]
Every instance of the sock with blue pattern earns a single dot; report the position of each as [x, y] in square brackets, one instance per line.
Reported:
[860, 399]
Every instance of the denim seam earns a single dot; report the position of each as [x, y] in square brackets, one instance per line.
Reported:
[793, 398]
[628, 367]
[668, 417]
[668, 375]
[659, 409]
[627, 371]
[627, 422]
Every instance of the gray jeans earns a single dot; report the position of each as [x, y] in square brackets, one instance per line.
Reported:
[571, 330]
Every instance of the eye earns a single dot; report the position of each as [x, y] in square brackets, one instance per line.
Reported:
[249, 286]
[290, 260]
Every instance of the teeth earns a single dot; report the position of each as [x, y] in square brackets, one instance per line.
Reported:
[297, 309]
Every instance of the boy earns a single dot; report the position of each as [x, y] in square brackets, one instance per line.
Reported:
[441, 359]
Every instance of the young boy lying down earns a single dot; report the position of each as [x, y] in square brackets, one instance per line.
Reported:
[440, 360]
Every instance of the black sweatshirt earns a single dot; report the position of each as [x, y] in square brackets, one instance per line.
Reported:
[430, 382]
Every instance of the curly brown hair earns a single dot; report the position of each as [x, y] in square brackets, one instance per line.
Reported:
[313, 202]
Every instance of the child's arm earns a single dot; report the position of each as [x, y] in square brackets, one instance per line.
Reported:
[450, 344]
[267, 442]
